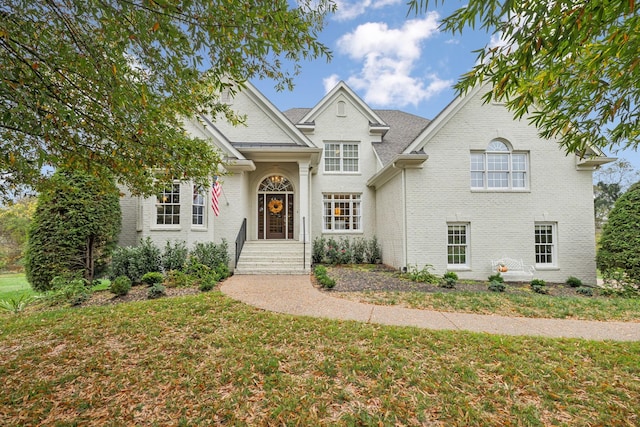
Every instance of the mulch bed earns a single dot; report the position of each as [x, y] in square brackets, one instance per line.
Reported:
[349, 278]
[137, 293]
[382, 278]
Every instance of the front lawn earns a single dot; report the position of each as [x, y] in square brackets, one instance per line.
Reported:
[531, 305]
[14, 286]
[207, 360]
[381, 286]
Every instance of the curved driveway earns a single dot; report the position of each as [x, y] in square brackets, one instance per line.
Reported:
[296, 295]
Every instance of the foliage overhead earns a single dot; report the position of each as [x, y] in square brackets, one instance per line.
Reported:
[571, 67]
[620, 241]
[105, 86]
[74, 229]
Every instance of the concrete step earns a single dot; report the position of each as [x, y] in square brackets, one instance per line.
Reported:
[274, 257]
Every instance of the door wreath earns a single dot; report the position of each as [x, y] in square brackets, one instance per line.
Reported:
[275, 206]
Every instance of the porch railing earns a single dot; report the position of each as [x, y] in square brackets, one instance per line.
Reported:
[242, 237]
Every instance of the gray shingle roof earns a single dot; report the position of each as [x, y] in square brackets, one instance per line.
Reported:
[403, 129]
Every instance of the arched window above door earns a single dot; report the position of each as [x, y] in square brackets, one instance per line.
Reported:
[275, 183]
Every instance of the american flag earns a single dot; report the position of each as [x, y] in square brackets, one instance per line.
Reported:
[215, 195]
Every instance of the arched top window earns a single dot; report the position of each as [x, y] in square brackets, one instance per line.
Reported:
[275, 183]
[499, 168]
[497, 145]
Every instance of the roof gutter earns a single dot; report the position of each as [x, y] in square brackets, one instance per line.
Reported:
[399, 162]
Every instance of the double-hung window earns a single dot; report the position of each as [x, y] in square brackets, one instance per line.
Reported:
[545, 244]
[198, 206]
[457, 245]
[499, 168]
[341, 157]
[168, 205]
[342, 212]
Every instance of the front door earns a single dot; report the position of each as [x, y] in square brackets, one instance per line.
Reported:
[275, 209]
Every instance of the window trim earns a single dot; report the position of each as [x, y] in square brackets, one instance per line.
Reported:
[341, 158]
[554, 245]
[467, 245]
[353, 200]
[505, 150]
[202, 193]
[176, 190]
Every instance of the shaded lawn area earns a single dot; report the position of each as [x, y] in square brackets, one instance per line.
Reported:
[14, 286]
[206, 359]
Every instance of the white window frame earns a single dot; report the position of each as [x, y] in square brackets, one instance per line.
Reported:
[546, 253]
[168, 206]
[335, 151]
[342, 213]
[452, 245]
[499, 164]
[198, 207]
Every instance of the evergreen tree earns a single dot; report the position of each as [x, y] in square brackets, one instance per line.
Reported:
[74, 229]
[620, 241]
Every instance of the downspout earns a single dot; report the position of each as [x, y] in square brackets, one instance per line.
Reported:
[405, 248]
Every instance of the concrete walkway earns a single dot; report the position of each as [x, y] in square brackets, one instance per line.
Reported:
[296, 295]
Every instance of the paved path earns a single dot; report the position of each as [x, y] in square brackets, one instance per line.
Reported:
[296, 295]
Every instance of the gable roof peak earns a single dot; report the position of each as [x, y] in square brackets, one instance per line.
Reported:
[343, 89]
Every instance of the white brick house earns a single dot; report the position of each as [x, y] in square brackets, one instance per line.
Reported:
[470, 186]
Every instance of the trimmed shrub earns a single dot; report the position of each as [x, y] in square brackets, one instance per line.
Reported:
[223, 271]
[331, 254]
[211, 254]
[573, 282]
[120, 286]
[325, 281]
[134, 262]
[318, 250]
[449, 280]
[539, 286]
[74, 229]
[151, 278]
[583, 290]
[374, 252]
[156, 291]
[497, 286]
[208, 283]
[174, 256]
[620, 240]
[358, 250]
[496, 278]
[618, 284]
[149, 258]
[345, 251]
[68, 289]
[177, 279]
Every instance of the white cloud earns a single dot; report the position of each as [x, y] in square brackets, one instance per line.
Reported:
[389, 58]
[347, 9]
[330, 82]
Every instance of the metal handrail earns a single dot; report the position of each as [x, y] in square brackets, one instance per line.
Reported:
[240, 239]
[304, 244]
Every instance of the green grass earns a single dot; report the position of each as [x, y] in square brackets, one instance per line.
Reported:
[208, 360]
[519, 305]
[14, 286]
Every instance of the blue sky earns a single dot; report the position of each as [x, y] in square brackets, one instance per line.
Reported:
[392, 60]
